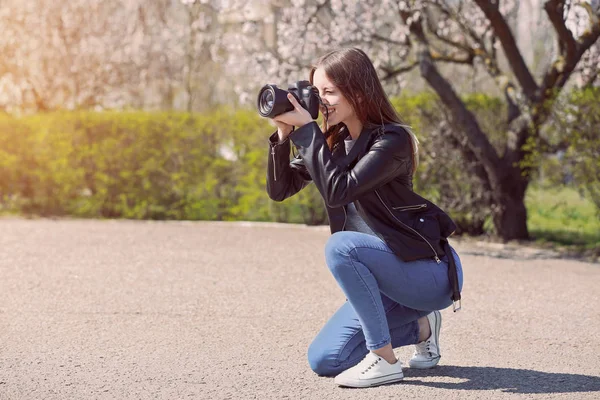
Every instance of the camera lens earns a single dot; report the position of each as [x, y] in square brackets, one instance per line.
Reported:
[273, 101]
[266, 101]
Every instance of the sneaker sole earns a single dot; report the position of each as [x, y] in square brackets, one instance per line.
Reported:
[425, 365]
[371, 382]
[434, 361]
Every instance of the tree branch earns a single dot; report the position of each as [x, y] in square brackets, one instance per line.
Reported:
[566, 42]
[588, 39]
[472, 161]
[489, 57]
[456, 17]
[460, 46]
[509, 45]
[388, 40]
[562, 68]
[454, 59]
[463, 118]
[391, 73]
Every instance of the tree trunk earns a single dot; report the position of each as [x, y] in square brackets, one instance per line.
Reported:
[509, 213]
[510, 219]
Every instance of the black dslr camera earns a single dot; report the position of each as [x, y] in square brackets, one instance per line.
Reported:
[273, 101]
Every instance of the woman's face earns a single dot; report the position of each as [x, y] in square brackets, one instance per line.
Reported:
[338, 106]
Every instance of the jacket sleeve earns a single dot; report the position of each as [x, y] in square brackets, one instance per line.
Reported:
[285, 178]
[386, 159]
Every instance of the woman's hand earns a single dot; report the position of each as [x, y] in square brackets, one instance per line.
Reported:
[283, 129]
[297, 117]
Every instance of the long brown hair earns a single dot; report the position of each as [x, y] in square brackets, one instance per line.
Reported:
[353, 73]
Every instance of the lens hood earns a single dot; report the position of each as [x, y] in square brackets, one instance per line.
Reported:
[273, 101]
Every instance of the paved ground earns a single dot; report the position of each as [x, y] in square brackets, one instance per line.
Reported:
[155, 310]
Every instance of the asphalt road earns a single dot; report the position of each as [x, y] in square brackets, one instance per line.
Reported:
[178, 310]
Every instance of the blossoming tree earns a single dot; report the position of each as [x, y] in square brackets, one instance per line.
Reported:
[406, 35]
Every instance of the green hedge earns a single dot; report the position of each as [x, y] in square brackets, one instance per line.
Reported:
[142, 165]
[171, 165]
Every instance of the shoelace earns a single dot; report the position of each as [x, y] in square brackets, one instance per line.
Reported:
[423, 347]
[370, 366]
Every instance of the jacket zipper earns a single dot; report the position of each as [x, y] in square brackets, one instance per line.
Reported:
[274, 170]
[436, 258]
[410, 208]
[345, 217]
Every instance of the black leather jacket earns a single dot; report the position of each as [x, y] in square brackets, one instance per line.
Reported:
[376, 175]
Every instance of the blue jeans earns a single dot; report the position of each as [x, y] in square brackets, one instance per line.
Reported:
[385, 298]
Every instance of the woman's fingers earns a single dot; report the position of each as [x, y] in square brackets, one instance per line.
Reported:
[283, 118]
[294, 102]
[296, 117]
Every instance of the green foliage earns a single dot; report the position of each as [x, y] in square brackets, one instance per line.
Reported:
[143, 165]
[562, 214]
[212, 166]
[444, 175]
[576, 129]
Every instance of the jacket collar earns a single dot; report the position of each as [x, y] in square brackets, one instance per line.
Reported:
[359, 148]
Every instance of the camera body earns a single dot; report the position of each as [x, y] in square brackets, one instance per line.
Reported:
[273, 101]
[307, 95]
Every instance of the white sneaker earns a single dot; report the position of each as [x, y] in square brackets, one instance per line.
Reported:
[373, 370]
[427, 353]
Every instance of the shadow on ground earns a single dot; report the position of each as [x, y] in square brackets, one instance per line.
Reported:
[506, 379]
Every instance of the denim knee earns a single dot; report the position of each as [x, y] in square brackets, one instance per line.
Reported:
[322, 362]
[337, 248]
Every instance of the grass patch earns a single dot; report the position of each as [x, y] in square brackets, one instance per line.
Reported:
[561, 215]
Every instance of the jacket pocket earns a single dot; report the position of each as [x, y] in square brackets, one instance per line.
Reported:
[428, 226]
[411, 208]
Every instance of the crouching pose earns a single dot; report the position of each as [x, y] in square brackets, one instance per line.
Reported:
[388, 249]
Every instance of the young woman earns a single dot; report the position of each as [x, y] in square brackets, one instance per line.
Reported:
[387, 250]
